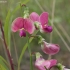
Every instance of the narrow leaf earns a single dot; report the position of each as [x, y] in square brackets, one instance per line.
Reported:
[6, 28]
[3, 66]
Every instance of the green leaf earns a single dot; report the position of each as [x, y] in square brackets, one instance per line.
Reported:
[7, 28]
[2, 68]
[4, 60]
[3, 65]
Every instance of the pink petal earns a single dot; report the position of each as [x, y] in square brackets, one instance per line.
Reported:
[53, 62]
[41, 63]
[17, 24]
[46, 64]
[49, 63]
[44, 18]
[22, 33]
[29, 26]
[47, 29]
[50, 48]
[34, 16]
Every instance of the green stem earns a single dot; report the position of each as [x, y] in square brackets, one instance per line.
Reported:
[52, 21]
[21, 10]
[24, 49]
[6, 47]
[29, 49]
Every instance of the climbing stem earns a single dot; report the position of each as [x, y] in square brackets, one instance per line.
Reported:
[6, 47]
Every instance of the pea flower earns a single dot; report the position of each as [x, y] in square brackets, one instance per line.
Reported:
[49, 48]
[22, 25]
[22, 33]
[42, 64]
[42, 21]
[34, 17]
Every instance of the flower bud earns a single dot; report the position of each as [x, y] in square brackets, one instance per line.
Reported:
[49, 48]
[48, 29]
[22, 33]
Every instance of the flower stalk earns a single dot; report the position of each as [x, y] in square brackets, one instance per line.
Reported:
[29, 49]
[6, 47]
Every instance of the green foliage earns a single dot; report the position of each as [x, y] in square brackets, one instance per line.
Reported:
[7, 28]
[2, 64]
[1, 58]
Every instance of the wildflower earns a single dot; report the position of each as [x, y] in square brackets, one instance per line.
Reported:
[44, 22]
[42, 64]
[49, 48]
[23, 25]
[41, 21]
[22, 33]
[34, 16]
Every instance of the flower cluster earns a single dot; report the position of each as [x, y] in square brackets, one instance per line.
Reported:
[50, 49]
[38, 22]
[31, 23]
[42, 64]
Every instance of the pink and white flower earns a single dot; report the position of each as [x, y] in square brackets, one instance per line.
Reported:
[42, 64]
[23, 25]
[49, 48]
[42, 21]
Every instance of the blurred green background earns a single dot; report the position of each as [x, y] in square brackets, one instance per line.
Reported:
[60, 34]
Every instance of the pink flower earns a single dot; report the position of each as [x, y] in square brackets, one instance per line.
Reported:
[44, 18]
[17, 24]
[43, 21]
[22, 33]
[23, 25]
[49, 48]
[42, 64]
[47, 28]
[34, 16]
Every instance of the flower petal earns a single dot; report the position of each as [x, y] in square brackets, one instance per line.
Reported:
[53, 62]
[22, 33]
[47, 29]
[34, 16]
[50, 48]
[42, 64]
[29, 26]
[39, 64]
[44, 18]
[17, 24]
[49, 63]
